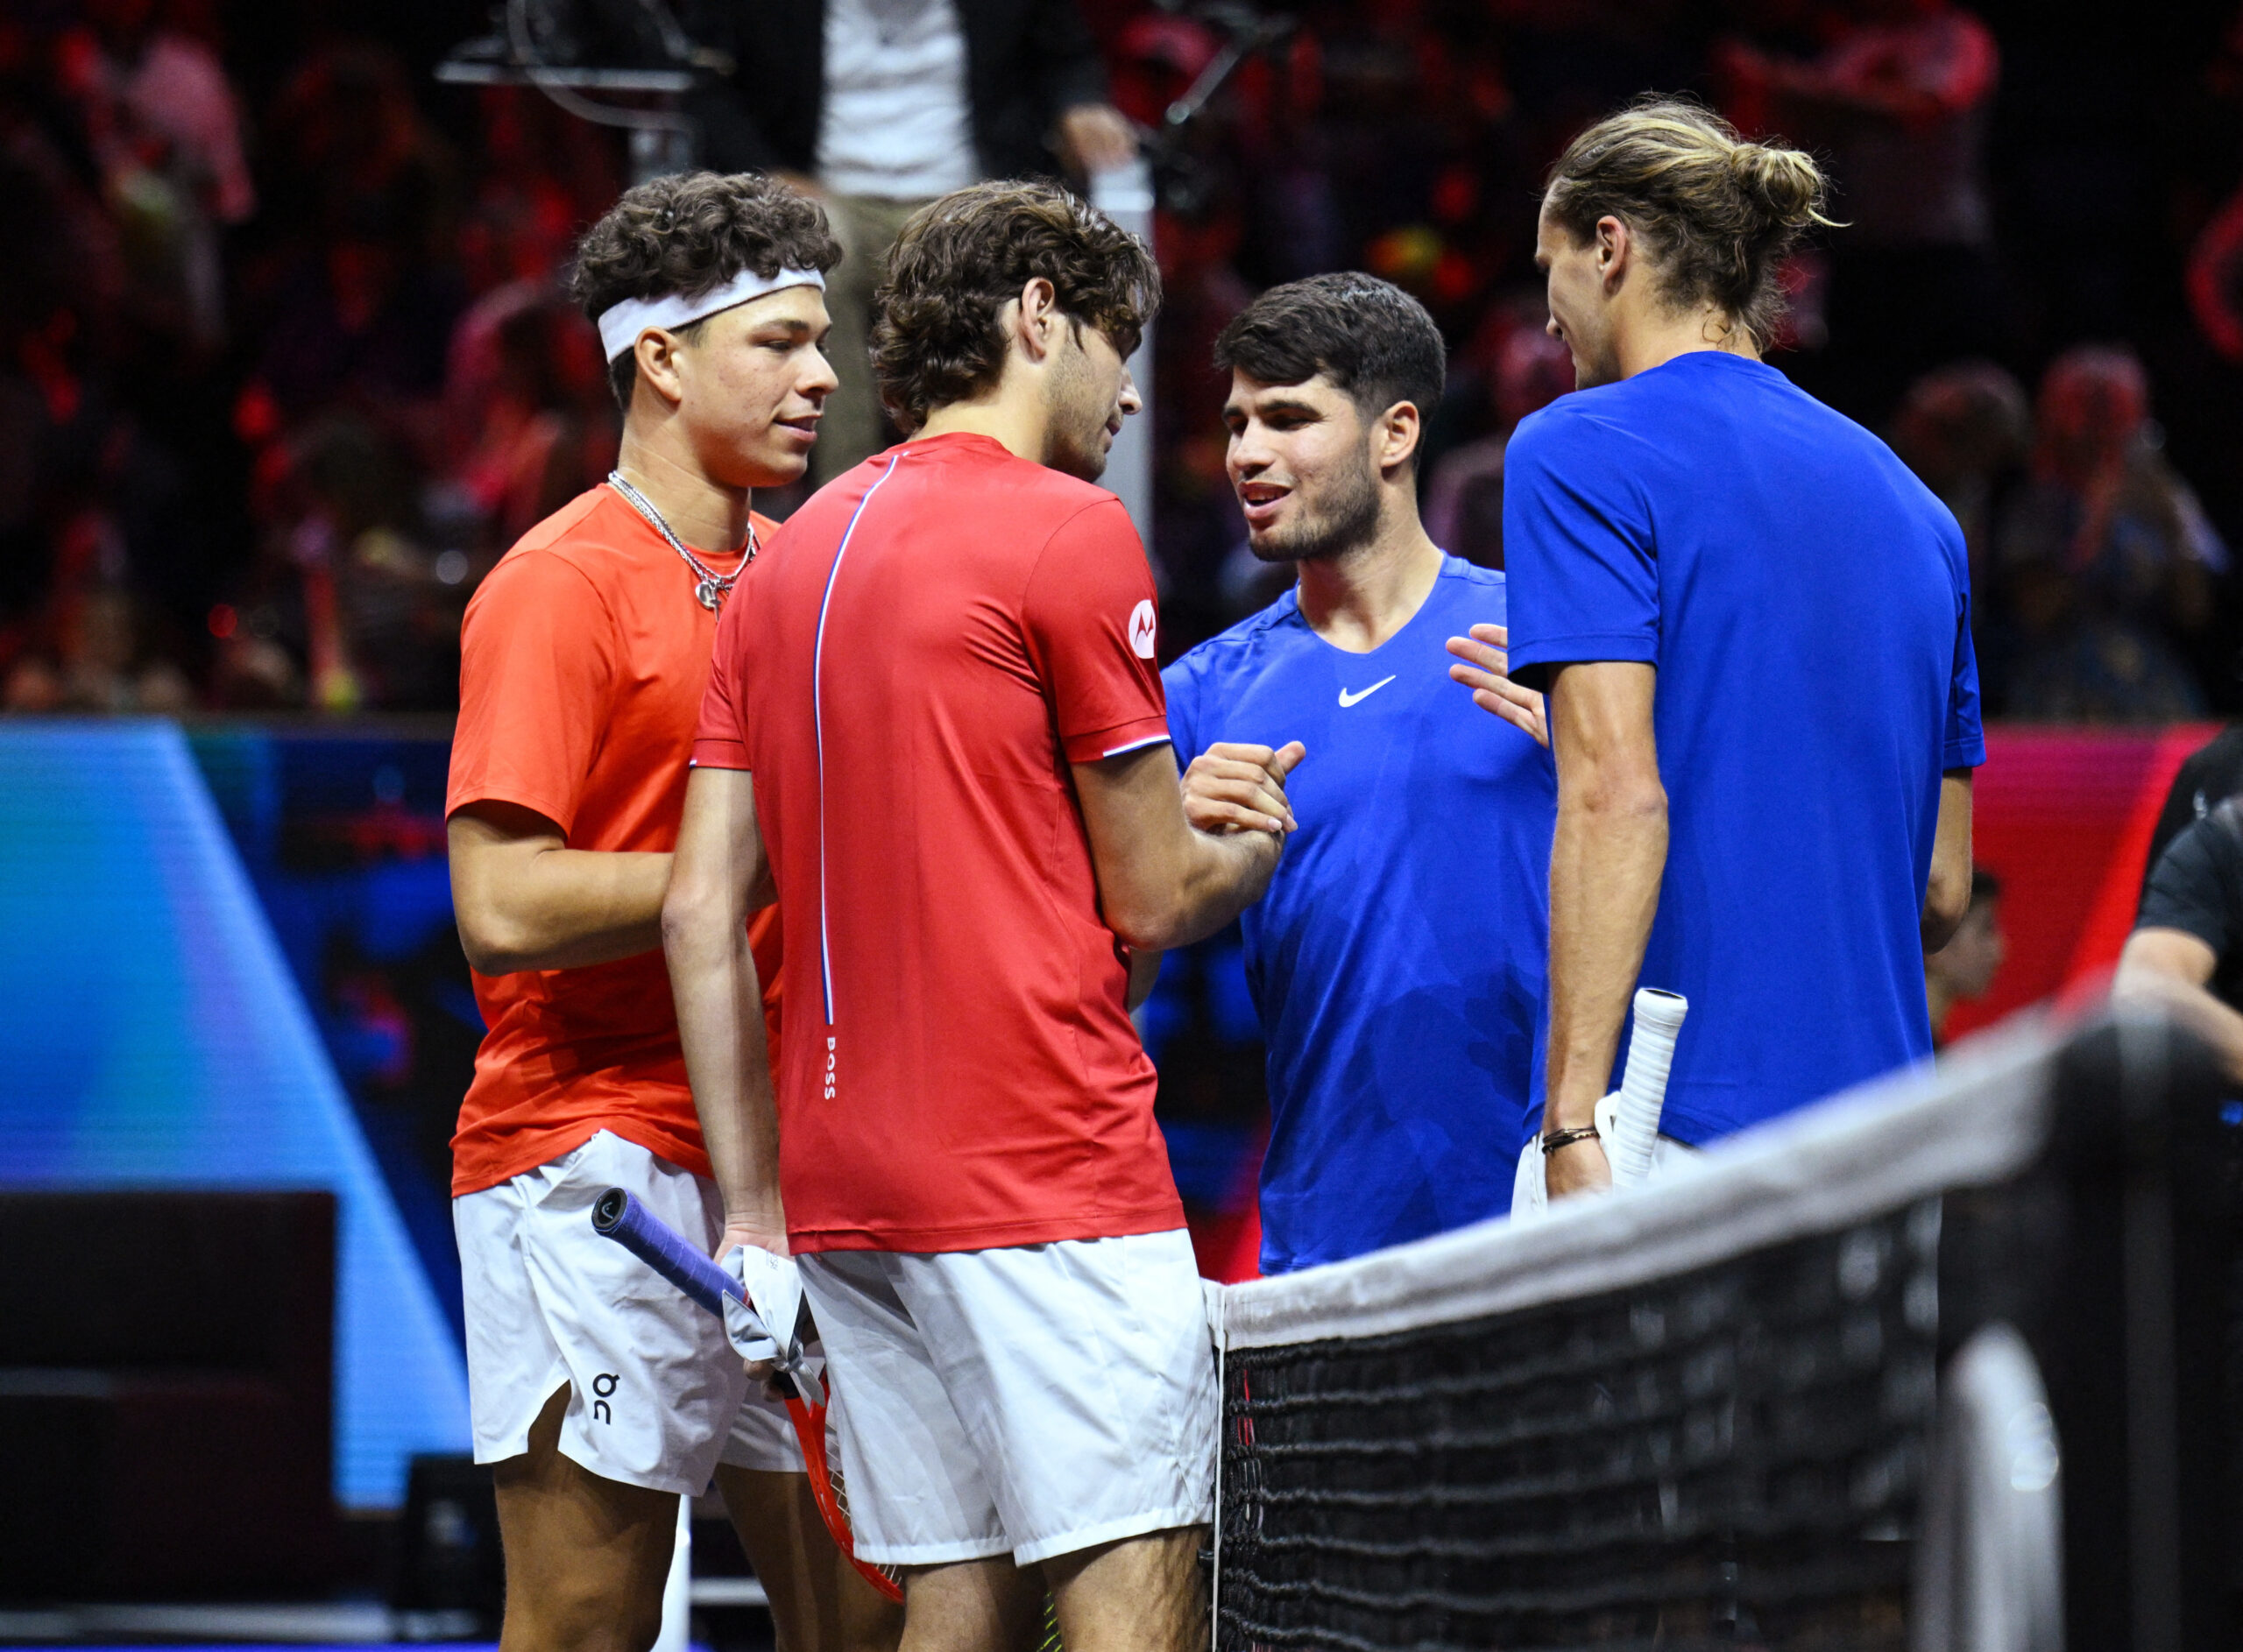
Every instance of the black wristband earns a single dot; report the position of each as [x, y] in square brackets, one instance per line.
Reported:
[1552, 1141]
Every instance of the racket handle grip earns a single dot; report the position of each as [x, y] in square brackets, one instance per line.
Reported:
[618, 1216]
[1643, 1086]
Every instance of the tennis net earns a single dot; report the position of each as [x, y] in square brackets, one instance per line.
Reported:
[1843, 1384]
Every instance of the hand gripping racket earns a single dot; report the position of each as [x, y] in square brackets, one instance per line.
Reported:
[739, 1306]
[1627, 1119]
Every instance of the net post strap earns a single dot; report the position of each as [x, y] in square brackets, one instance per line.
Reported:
[1212, 1298]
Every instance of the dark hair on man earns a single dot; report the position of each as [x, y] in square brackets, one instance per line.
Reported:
[961, 259]
[1716, 214]
[687, 233]
[1368, 336]
[1983, 886]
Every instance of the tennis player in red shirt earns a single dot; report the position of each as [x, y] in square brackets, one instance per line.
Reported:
[600, 1394]
[936, 716]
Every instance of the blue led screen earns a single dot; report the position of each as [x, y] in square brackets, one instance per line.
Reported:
[152, 1034]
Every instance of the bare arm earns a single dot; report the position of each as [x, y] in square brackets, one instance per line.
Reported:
[712, 975]
[1607, 860]
[525, 900]
[1947, 892]
[2170, 968]
[1162, 882]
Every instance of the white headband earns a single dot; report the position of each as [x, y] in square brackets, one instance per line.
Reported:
[620, 324]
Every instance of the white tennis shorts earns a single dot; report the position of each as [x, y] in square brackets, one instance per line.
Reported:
[656, 1396]
[1030, 1400]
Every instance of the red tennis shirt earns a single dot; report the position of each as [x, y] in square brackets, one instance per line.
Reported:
[582, 665]
[908, 671]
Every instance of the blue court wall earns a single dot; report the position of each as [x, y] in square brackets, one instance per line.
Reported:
[152, 1035]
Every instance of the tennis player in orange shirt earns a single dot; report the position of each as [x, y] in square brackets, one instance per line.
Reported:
[599, 1394]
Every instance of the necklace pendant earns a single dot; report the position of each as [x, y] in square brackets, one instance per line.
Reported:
[708, 594]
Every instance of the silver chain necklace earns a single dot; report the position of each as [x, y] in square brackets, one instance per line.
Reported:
[713, 587]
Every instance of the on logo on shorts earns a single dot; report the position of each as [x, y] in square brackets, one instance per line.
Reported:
[603, 1387]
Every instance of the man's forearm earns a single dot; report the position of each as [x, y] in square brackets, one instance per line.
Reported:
[1225, 875]
[1161, 881]
[580, 906]
[1947, 886]
[1607, 860]
[1216, 879]
[2195, 1006]
[719, 997]
[527, 907]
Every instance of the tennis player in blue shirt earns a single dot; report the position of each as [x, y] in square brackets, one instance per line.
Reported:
[1753, 625]
[1396, 961]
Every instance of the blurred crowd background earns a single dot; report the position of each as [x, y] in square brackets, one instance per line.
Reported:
[283, 367]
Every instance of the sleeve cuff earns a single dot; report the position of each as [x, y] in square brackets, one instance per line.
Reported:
[1098, 743]
[1531, 661]
[1965, 754]
[467, 797]
[719, 755]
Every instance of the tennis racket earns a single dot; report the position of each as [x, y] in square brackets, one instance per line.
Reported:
[1627, 1120]
[616, 1215]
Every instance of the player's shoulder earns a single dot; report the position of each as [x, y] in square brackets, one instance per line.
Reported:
[2206, 855]
[1082, 514]
[1245, 642]
[1465, 594]
[1022, 488]
[1057, 492]
[1839, 434]
[1459, 575]
[581, 519]
[1019, 515]
[1600, 425]
[1040, 505]
[825, 516]
[2215, 769]
[575, 547]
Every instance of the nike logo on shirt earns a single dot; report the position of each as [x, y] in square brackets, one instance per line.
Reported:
[1351, 699]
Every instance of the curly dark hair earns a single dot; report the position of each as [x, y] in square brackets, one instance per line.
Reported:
[689, 232]
[1368, 336]
[960, 259]
[1718, 212]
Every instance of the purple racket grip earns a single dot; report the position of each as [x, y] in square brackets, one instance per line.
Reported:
[616, 1215]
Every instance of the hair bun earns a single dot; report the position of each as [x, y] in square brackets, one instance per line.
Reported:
[1784, 184]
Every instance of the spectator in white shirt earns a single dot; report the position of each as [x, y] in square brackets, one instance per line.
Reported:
[882, 105]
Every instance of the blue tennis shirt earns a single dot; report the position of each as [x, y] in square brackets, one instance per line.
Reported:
[1806, 603]
[1397, 960]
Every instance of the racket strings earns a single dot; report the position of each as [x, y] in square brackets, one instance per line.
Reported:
[821, 1442]
[838, 1488]
[813, 1428]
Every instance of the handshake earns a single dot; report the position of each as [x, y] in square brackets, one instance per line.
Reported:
[1231, 787]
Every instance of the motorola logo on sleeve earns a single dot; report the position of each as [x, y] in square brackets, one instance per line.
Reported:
[1142, 627]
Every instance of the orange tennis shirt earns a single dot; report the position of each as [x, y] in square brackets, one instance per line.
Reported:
[582, 663]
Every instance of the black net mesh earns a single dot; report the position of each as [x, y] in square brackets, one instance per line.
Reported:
[1731, 1454]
